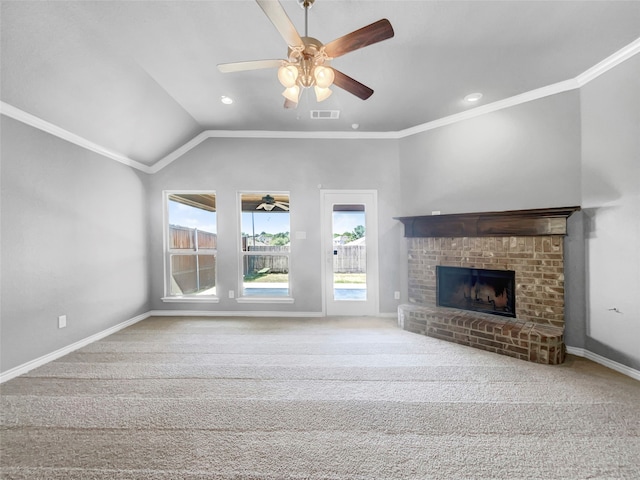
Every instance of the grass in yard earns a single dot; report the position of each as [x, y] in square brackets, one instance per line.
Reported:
[268, 278]
[284, 278]
[349, 278]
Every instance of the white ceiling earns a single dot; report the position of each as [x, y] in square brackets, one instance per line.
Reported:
[139, 77]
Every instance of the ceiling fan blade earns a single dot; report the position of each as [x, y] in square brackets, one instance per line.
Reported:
[250, 65]
[374, 33]
[281, 21]
[350, 85]
[289, 104]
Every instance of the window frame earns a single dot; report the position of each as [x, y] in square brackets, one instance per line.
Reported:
[168, 252]
[241, 298]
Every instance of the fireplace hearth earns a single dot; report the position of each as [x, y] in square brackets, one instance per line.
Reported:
[476, 289]
[470, 273]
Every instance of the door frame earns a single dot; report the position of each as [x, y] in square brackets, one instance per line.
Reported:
[372, 305]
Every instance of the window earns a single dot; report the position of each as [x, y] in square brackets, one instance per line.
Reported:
[265, 245]
[191, 245]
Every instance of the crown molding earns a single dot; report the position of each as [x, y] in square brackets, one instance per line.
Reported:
[441, 122]
[584, 78]
[493, 107]
[36, 122]
[608, 63]
[201, 137]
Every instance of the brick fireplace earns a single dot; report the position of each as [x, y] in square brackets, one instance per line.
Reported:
[527, 242]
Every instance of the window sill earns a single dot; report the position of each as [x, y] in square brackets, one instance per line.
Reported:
[192, 299]
[265, 300]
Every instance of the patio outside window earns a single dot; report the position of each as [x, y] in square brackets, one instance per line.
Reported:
[265, 245]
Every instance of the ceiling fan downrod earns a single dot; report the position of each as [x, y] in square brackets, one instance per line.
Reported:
[306, 4]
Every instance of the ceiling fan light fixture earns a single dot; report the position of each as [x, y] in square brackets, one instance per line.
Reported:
[307, 61]
[322, 93]
[288, 74]
[292, 93]
[324, 76]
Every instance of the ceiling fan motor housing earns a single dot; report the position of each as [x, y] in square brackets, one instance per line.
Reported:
[307, 59]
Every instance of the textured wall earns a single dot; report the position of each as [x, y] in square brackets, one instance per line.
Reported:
[611, 203]
[523, 157]
[232, 165]
[74, 242]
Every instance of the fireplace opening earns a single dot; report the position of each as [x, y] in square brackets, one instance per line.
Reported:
[477, 289]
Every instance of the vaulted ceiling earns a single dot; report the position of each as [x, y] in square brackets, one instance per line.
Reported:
[139, 78]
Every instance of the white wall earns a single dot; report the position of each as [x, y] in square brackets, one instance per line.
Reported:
[611, 202]
[523, 157]
[67, 213]
[527, 156]
[73, 242]
[232, 165]
[576, 148]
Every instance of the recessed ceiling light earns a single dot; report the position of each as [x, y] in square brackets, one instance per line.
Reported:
[473, 97]
[226, 100]
[355, 126]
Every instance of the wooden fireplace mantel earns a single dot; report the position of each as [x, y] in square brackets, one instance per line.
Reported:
[541, 221]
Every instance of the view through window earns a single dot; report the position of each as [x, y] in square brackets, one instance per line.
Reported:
[265, 245]
[191, 244]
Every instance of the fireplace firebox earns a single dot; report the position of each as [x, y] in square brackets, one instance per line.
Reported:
[477, 289]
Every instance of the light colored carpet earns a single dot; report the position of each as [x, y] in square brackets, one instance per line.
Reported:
[324, 398]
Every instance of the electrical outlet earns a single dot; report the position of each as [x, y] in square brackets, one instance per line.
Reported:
[62, 321]
[396, 295]
[232, 294]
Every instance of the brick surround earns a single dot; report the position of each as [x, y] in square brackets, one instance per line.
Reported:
[536, 334]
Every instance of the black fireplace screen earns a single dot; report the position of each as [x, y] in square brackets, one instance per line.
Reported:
[480, 290]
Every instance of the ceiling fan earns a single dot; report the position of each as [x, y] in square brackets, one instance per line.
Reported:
[308, 60]
[269, 203]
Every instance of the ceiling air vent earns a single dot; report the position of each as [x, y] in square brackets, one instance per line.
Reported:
[325, 114]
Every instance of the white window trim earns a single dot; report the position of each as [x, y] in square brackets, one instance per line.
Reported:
[191, 299]
[266, 299]
[250, 299]
[166, 255]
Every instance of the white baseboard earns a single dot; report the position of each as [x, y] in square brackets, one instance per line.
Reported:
[38, 362]
[212, 313]
[26, 367]
[618, 367]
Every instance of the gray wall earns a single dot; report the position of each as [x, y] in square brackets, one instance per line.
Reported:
[527, 156]
[611, 201]
[231, 165]
[576, 148]
[73, 242]
[82, 235]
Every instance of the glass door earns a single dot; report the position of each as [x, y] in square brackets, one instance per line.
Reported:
[350, 245]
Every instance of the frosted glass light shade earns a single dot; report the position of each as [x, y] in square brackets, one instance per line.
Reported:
[322, 93]
[292, 93]
[288, 74]
[324, 76]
